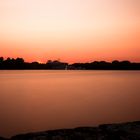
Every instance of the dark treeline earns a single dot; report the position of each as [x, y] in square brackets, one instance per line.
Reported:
[19, 63]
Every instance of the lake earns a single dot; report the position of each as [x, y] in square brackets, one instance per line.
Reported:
[38, 100]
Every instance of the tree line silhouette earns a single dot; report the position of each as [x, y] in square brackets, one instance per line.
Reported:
[20, 64]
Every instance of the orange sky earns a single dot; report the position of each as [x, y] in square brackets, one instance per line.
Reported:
[70, 30]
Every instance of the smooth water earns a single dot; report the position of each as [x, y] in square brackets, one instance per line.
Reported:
[43, 100]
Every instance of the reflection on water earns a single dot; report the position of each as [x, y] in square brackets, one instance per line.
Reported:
[42, 100]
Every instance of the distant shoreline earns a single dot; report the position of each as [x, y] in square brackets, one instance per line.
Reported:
[117, 131]
[20, 64]
[69, 70]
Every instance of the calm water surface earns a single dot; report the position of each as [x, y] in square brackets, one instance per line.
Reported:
[43, 100]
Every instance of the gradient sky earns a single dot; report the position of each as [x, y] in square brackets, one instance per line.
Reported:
[70, 30]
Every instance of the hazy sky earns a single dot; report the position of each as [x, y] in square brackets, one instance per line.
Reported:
[70, 30]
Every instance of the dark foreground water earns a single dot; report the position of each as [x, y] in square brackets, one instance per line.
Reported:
[43, 100]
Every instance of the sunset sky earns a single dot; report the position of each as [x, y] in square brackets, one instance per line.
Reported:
[70, 30]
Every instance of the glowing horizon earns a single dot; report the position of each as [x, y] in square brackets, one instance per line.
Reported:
[70, 30]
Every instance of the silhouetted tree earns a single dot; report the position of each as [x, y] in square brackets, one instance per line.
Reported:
[35, 65]
[1, 59]
[115, 62]
[55, 64]
[19, 60]
[1, 62]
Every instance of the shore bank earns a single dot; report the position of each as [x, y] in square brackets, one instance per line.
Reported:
[120, 131]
